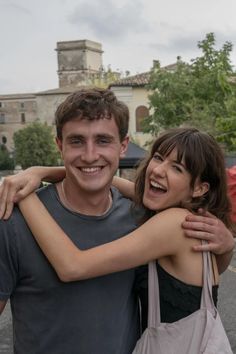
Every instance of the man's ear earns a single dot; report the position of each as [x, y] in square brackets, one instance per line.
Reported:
[124, 146]
[59, 145]
[200, 189]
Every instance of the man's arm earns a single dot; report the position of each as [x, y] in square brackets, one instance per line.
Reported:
[2, 306]
[220, 239]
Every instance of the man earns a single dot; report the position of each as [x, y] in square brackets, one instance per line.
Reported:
[97, 315]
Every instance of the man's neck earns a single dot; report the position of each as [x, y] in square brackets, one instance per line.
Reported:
[94, 204]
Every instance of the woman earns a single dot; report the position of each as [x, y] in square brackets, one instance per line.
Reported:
[184, 172]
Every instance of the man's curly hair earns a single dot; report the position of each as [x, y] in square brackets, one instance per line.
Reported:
[92, 104]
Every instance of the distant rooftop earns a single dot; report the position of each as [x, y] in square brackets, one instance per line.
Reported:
[16, 96]
[139, 80]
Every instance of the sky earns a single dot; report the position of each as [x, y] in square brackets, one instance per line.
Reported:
[133, 33]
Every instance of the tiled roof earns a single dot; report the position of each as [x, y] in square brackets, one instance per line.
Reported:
[136, 80]
[64, 90]
[139, 80]
[57, 91]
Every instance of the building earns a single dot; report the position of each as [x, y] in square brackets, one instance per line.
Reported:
[79, 64]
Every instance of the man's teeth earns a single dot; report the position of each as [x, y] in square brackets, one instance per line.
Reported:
[157, 185]
[90, 169]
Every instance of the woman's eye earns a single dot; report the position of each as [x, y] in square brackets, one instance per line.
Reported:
[157, 157]
[177, 168]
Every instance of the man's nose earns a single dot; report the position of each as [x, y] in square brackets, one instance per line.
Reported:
[90, 153]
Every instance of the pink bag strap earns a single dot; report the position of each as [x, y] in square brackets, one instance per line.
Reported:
[154, 318]
[154, 315]
[207, 299]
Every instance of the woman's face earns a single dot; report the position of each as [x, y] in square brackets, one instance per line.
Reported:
[167, 182]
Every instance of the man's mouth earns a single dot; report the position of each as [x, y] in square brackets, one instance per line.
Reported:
[91, 170]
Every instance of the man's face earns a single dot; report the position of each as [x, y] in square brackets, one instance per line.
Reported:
[91, 151]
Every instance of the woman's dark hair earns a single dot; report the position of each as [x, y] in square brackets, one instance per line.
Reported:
[203, 159]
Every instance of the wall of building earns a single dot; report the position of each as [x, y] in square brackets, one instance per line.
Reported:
[78, 61]
[16, 111]
[134, 97]
[47, 105]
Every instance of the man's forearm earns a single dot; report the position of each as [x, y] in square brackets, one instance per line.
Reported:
[223, 260]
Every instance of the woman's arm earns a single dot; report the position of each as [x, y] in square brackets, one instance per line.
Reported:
[16, 187]
[152, 240]
[124, 186]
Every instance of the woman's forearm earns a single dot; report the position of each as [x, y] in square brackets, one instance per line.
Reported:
[57, 247]
[49, 174]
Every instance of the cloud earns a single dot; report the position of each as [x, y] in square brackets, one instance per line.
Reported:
[109, 20]
[187, 44]
[16, 8]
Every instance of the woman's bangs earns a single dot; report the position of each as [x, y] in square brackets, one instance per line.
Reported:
[167, 146]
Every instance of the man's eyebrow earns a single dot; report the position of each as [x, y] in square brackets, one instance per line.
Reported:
[105, 135]
[73, 136]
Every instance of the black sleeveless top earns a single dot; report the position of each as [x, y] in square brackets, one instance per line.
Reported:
[177, 299]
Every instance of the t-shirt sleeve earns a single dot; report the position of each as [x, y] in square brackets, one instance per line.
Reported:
[8, 259]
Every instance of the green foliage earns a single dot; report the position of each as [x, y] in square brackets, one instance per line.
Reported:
[104, 77]
[34, 145]
[199, 94]
[6, 161]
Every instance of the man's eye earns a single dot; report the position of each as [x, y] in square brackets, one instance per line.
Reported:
[76, 141]
[103, 141]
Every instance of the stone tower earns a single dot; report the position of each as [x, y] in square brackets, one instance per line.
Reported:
[78, 61]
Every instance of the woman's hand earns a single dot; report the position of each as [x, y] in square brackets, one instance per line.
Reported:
[16, 187]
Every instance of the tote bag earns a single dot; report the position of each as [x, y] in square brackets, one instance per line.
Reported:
[201, 332]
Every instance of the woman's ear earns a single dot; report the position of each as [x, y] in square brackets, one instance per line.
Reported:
[200, 189]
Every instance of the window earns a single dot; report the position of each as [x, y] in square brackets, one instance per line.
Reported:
[22, 118]
[2, 118]
[4, 139]
[141, 113]
[0, 104]
[22, 105]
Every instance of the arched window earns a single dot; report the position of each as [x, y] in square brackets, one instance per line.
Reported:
[141, 113]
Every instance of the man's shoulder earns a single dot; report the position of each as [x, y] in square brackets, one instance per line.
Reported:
[127, 206]
[44, 193]
[47, 192]
[118, 196]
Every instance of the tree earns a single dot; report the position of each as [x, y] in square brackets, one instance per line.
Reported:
[6, 161]
[104, 77]
[198, 94]
[34, 145]
[107, 76]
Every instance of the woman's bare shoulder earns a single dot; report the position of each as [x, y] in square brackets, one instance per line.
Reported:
[174, 212]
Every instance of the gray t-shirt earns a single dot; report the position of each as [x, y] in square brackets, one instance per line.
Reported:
[96, 316]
